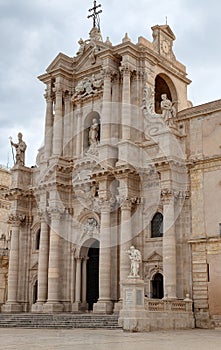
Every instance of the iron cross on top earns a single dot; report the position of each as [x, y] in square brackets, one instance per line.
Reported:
[95, 14]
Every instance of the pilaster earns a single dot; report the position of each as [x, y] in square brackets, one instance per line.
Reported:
[58, 122]
[48, 122]
[169, 245]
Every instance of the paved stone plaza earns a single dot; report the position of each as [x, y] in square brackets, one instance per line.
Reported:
[29, 339]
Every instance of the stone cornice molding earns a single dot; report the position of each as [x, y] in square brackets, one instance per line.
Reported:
[201, 110]
[170, 194]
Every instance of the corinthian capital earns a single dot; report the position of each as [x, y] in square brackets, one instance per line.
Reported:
[126, 69]
[16, 219]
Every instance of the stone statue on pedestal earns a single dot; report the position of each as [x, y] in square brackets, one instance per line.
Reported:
[20, 150]
[135, 260]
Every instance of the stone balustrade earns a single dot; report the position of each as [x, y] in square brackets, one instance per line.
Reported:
[168, 305]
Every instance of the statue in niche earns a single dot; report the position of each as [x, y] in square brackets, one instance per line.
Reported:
[168, 111]
[20, 150]
[135, 260]
[93, 133]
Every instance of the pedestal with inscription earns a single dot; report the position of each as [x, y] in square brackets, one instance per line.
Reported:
[133, 317]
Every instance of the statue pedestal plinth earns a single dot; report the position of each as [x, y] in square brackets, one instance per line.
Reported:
[133, 316]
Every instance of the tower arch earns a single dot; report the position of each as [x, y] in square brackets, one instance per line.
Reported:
[164, 85]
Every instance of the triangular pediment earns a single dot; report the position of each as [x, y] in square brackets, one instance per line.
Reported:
[154, 257]
[166, 29]
[61, 61]
[89, 58]
[35, 266]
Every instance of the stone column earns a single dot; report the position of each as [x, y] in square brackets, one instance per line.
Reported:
[77, 303]
[104, 304]
[42, 267]
[53, 304]
[106, 111]
[79, 133]
[169, 247]
[58, 124]
[125, 241]
[84, 281]
[126, 108]
[48, 124]
[12, 303]
[67, 125]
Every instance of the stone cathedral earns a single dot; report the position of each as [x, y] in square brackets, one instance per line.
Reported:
[126, 161]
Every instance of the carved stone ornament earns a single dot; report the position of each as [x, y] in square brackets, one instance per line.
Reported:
[16, 219]
[88, 87]
[91, 228]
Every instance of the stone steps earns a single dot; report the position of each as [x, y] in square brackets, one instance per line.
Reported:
[66, 321]
[216, 321]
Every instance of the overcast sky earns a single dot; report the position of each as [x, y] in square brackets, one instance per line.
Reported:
[33, 32]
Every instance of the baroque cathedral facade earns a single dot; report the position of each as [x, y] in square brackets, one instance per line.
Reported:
[127, 160]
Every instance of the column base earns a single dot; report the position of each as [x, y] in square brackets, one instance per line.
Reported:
[37, 307]
[50, 307]
[76, 307]
[118, 307]
[103, 307]
[11, 308]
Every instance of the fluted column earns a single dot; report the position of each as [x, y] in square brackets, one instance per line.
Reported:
[67, 125]
[126, 100]
[78, 134]
[58, 123]
[106, 111]
[48, 124]
[125, 241]
[105, 304]
[12, 303]
[169, 247]
[53, 304]
[43, 265]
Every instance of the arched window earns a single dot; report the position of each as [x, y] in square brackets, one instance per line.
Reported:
[37, 240]
[157, 226]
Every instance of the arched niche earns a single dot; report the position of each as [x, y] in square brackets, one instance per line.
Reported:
[164, 85]
[87, 125]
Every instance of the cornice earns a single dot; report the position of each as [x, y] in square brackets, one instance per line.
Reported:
[204, 109]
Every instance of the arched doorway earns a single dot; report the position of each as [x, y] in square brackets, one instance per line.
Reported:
[157, 286]
[92, 295]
